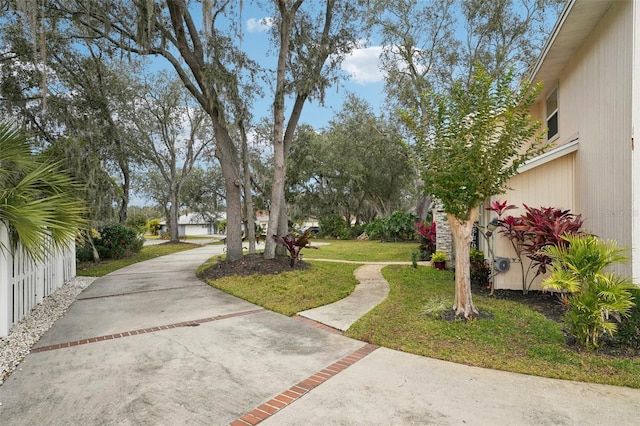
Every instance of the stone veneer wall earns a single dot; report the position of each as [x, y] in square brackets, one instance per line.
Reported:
[444, 239]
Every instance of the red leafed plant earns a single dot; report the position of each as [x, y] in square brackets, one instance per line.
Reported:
[533, 230]
[500, 207]
[294, 245]
[427, 233]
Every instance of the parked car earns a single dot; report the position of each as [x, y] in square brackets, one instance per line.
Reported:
[315, 230]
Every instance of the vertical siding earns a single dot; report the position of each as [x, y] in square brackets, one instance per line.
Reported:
[595, 102]
[549, 185]
[594, 105]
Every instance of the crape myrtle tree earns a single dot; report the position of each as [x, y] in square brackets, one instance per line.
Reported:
[477, 138]
[428, 44]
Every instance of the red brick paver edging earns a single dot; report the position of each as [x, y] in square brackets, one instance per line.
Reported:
[298, 390]
[192, 323]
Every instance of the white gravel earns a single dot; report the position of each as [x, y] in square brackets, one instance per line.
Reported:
[27, 332]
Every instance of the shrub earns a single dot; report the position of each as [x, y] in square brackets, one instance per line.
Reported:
[357, 230]
[398, 226]
[596, 299]
[427, 234]
[376, 229]
[479, 270]
[138, 222]
[154, 226]
[629, 327]
[401, 226]
[83, 253]
[117, 241]
[436, 307]
[334, 226]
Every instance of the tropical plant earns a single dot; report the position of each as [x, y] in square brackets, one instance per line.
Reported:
[37, 199]
[294, 245]
[533, 230]
[427, 234]
[629, 327]
[436, 307]
[594, 298]
[438, 256]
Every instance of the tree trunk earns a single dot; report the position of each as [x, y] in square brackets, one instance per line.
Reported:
[250, 218]
[173, 216]
[277, 189]
[124, 199]
[462, 231]
[227, 156]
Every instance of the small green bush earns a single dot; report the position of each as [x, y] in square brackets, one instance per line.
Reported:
[376, 229]
[479, 268]
[117, 241]
[334, 226]
[401, 226]
[356, 230]
[436, 307]
[138, 222]
[83, 253]
[154, 227]
[398, 226]
[629, 327]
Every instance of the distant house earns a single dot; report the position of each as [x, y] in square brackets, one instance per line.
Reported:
[262, 219]
[195, 224]
[591, 106]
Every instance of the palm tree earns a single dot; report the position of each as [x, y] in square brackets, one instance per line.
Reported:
[37, 200]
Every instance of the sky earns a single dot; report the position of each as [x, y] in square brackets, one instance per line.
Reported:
[361, 68]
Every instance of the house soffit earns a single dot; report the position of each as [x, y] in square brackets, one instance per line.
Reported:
[575, 23]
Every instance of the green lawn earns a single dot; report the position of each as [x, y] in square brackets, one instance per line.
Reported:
[362, 251]
[516, 338]
[293, 291]
[90, 269]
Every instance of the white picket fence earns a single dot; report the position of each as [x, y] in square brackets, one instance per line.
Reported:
[24, 283]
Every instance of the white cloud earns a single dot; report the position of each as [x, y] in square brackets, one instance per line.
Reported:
[255, 25]
[363, 65]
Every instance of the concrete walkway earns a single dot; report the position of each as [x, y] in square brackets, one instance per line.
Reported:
[371, 291]
[152, 345]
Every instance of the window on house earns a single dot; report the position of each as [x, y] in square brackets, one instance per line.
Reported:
[552, 114]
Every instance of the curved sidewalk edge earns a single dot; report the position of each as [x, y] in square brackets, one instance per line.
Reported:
[370, 292]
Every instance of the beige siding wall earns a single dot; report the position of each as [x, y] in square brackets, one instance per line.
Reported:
[548, 185]
[594, 106]
[595, 103]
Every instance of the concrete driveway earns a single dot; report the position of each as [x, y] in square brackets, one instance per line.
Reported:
[152, 345]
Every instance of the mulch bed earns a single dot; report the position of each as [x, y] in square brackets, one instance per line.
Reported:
[249, 265]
